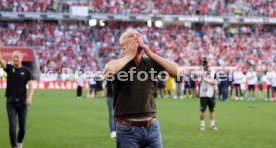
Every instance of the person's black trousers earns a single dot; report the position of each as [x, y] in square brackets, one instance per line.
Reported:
[187, 91]
[79, 91]
[268, 90]
[17, 108]
[238, 89]
[220, 92]
[231, 88]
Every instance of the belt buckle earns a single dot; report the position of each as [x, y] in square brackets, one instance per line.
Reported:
[129, 123]
[149, 122]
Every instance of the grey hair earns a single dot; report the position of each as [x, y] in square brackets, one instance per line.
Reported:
[19, 52]
[123, 36]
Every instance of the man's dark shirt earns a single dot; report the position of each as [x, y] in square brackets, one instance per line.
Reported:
[109, 89]
[135, 99]
[17, 79]
[223, 78]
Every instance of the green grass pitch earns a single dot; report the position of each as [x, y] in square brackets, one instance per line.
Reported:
[58, 120]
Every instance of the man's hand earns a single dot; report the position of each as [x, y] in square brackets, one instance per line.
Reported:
[144, 46]
[1, 50]
[131, 48]
[0, 53]
[170, 66]
[30, 93]
[29, 101]
[3, 63]
[111, 68]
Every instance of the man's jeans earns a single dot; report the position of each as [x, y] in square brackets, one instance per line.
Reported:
[138, 136]
[14, 109]
[223, 92]
[112, 123]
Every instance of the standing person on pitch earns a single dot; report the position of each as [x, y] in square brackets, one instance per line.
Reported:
[223, 84]
[18, 77]
[187, 85]
[237, 80]
[251, 78]
[91, 85]
[99, 85]
[161, 88]
[208, 83]
[260, 83]
[178, 85]
[110, 99]
[134, 99]
[269, 81]
[193, 79]
[230, 78]
[79, 81]
[274, 85]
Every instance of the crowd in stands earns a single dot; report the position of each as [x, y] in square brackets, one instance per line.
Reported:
[244, 46]
[76, 45]
[57, 46]
[79, 47]
[179, 7]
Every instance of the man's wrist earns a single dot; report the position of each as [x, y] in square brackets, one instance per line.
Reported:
[128, 57]
[150, 53]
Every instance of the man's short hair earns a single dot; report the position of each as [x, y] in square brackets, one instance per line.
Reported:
[19, 52]
[123, 36]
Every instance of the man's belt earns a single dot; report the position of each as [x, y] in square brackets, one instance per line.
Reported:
[14, 99]
[137, 123]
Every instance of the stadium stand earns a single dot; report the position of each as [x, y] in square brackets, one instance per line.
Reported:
[243, 46]
[179, 7]
[57, 45]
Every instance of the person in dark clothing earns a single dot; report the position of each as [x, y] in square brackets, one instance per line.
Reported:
[110, 99]
[187, 85]
[193, 81]
[161, 87]
[260, 83]
[223, 84]
[99, 86]
[269, 81]
[134, 96]
[178, 82]
[230, 83]
[18, 77]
